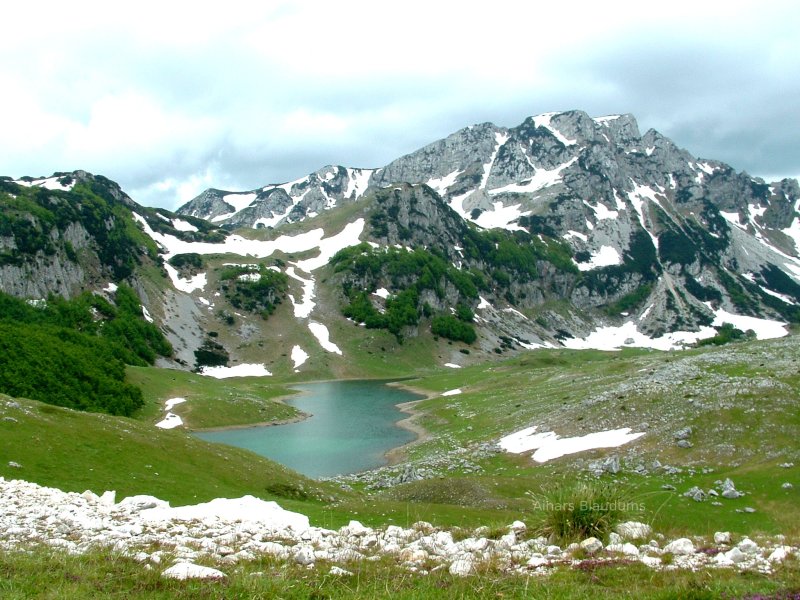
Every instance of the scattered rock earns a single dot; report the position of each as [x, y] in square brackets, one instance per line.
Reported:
[786, 465]
[304, 555]
[695, 494]
[787, 486]
[518, 527]
[633, 530]
[339, 572]
[537, 560]
[591, 545]
[681, 546]
[683, 434]
[729, 491]
[463, 565]
[14, 465]
[734, 556]
[747, 546]
[684, 444]
[722, 537]
[780, 554]
[188, 570]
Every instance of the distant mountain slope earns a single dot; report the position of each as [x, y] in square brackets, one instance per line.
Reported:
[275, 204]
[566, 230]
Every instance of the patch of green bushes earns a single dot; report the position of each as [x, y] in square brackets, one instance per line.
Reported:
[726, 334]
[259, 291]
[73, 353]
[452, 328]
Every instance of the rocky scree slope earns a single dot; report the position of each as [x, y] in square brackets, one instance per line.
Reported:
[228, 532]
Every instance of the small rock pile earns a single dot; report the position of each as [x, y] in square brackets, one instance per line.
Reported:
[229, 531]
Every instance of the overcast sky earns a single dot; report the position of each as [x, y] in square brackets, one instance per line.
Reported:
[170, 100]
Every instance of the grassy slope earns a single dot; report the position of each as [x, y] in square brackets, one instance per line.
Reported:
[76, 451]
[209, 402]
[740, 401]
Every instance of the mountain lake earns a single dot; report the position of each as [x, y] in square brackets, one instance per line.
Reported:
[352, 426]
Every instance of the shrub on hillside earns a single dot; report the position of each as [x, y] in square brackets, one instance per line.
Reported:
[575, 511]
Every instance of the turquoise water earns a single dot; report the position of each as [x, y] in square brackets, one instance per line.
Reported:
[353, 424]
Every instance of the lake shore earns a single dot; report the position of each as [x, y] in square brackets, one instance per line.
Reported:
[410, 423]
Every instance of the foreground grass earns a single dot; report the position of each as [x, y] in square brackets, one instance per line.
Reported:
[45, 574]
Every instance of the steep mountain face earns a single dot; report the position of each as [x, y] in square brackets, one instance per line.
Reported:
[659, 236]
[274, 205]
[66, 233]
[76, 232]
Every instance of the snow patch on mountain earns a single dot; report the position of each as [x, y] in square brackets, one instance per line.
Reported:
[628, 335]
[299, 357]
[358, 182]
[605, 121]
[349, 236]
[606, 256]
[271, 221]
[49, 183]
[502, 217]
[602, 212]
[181, 225]
[733, 219]
[500, 140]
[544, 120]
[242, 370]
[303, 308]
[170, 421]
[765, 329]
[197, 282]
[320, 332]
[441, 184]
[637, 198]
[576, 234]
[542, 178]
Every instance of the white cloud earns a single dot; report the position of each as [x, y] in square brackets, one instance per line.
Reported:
[165, 98]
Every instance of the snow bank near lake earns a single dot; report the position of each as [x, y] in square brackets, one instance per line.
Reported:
[172, 402]
[243, 370]
[454, 392]
[549, 445]
[171, 421]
